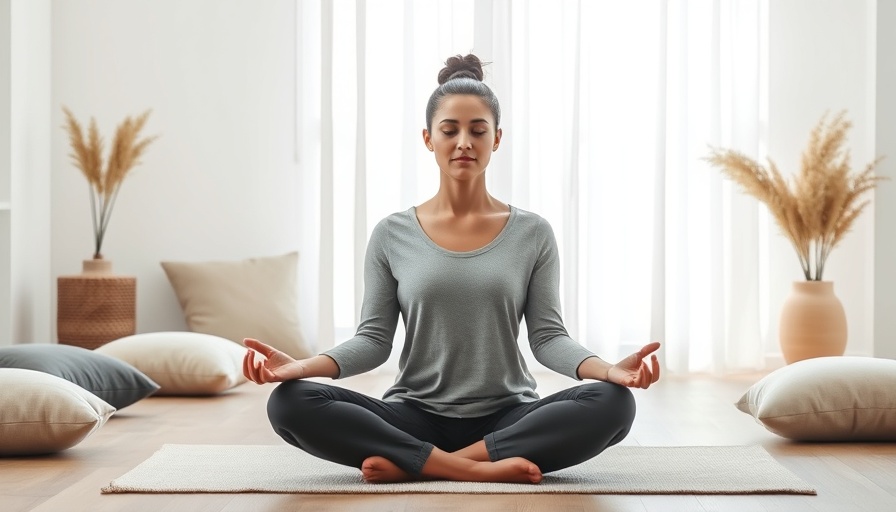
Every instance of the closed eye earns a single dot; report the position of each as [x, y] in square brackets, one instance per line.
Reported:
[452, 134]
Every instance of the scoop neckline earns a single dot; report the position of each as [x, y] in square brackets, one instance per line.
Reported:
[412, 212]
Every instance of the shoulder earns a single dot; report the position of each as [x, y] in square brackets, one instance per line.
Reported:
[533, 224]
[393, 222]
[393, 228]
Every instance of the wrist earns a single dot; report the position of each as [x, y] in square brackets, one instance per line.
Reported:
[299, 369]
[317, 366]
[594, 368]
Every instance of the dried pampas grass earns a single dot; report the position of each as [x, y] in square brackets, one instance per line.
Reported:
[823, 200]
[105, 182]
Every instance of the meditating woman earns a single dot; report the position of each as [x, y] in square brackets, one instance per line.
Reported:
[462, 269]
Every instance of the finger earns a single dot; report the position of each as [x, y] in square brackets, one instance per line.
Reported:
[262, 374]
[645, 376]
[249, 365]
[261, 348]
[246, 363]
[634, 378]
[267, 375]
[648, 349]
[656, 368]
[259, 372]
[256, 374]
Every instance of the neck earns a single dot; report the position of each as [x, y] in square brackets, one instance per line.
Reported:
[460, 198]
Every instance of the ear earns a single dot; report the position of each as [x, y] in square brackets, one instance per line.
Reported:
[497, 143]
[427, 139]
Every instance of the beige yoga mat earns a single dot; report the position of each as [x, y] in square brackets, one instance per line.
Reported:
[619, 470]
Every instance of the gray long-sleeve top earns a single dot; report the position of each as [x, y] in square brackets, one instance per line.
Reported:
[462, 314]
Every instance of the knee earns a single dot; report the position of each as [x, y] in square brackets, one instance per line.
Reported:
[291, 400]
[612, 403]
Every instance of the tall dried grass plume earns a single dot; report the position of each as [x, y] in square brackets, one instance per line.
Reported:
[105, 181]
[819, 205]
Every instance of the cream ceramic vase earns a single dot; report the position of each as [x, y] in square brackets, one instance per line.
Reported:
[813, 322]
[96, 266]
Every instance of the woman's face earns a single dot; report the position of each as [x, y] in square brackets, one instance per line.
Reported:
[463, 136]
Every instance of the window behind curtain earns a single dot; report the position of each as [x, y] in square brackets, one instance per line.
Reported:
[607, 109]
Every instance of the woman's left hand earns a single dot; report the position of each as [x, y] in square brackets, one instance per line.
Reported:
[633, 371]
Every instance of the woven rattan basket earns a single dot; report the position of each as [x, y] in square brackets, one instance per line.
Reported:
[94, 309]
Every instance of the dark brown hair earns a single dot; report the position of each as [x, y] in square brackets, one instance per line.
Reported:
[462, 75]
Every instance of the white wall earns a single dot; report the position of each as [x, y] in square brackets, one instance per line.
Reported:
[5, 171]
[885, 200]
[221, 181]
[30, 284]
[24, 171]
[822, 57]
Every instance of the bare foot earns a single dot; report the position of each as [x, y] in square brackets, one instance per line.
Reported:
[378, 470]
[513, 470]
[444, 466]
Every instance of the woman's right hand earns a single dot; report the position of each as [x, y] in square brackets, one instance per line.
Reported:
[276, 366]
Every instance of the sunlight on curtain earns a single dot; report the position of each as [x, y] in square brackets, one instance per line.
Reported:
[607, 111]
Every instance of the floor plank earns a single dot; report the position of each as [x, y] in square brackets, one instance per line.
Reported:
[18, 503]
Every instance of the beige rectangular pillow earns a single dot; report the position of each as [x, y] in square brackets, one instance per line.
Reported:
[827, 399]
[250, 298]
[182, 363]
[42, 413]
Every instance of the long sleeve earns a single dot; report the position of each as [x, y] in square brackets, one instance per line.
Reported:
[548, 337]
[372, 343]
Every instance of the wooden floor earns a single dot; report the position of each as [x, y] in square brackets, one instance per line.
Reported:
[678, 411]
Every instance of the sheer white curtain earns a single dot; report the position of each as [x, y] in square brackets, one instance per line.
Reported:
[608, 110]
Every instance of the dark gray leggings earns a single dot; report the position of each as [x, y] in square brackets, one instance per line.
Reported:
[347, 427]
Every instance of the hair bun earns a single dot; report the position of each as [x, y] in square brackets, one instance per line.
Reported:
[467, 66]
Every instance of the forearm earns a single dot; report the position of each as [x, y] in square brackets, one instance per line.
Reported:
[319, 366]
[359, 355]
[594, 368]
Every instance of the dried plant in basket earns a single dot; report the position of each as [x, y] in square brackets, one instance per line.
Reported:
[819, 205]
[105, 181]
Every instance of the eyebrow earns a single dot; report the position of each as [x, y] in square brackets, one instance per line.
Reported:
[455, 121]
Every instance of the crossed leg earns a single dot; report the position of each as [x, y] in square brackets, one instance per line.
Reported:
[384, 439]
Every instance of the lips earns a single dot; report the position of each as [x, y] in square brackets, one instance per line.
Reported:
[464, 159]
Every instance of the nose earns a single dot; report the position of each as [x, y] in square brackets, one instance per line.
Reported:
[463, 142]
